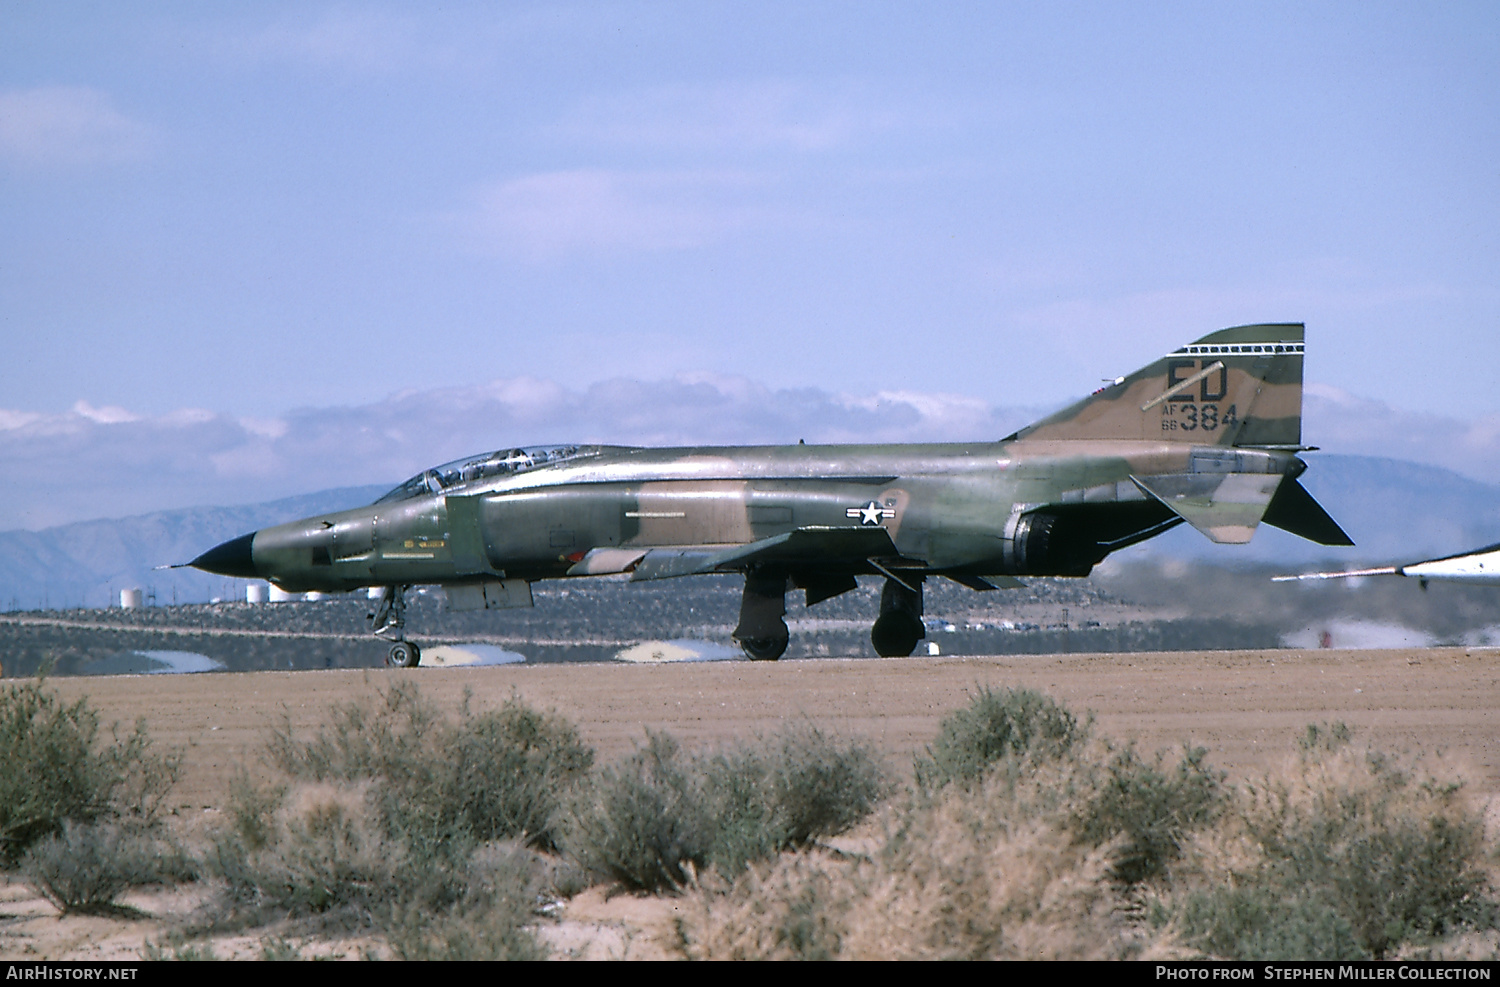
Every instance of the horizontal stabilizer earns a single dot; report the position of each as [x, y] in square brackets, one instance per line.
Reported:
[810, 546]
[1224, 506]
[1293, 509]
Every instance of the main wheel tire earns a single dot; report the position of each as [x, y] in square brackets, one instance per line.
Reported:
[403, 654]
[895, 634]
[764, 648]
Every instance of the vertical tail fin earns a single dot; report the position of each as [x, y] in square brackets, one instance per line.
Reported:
[1234, 387]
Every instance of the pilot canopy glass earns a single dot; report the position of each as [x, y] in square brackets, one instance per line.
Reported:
[502, 462]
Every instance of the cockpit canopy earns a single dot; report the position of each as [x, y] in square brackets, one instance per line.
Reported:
[502, 462]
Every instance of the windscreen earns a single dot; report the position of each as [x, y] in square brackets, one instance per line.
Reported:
[502, 462]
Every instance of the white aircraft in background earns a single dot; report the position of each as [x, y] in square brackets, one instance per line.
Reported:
[1481, 568]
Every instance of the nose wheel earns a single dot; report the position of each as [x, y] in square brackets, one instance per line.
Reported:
[403, 654]
[389, 622]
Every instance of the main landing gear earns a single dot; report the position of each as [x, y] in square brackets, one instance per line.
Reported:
[762, 632]
[899, 626]
[389, 620]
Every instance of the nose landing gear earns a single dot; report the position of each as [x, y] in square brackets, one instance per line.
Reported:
[389, 620]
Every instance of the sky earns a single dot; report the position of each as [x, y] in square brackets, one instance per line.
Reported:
[250, 250]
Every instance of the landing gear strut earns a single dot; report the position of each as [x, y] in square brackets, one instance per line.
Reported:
[389, 620]
[762, 632]
[899, 626]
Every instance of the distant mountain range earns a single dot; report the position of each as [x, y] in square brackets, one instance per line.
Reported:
[87, 563]
[1393, 509]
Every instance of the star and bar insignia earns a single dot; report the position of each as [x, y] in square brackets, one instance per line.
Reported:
[871, 513]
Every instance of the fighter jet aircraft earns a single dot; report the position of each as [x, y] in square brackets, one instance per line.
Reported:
[1480, 568]
[1206, 435]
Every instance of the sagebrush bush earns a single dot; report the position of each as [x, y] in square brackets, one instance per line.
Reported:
[314, 850]
[785, 791]
[500, 774]
[1259, 923]
[645, 823]
[820, 787]
[1356, 854]
[319, 853]
[660, 817]
[1088, 850]
[1147, 811]
[998, 724]
[57, 769]
[84, 868]
[389, 818]
[488, 921]
[982, 871]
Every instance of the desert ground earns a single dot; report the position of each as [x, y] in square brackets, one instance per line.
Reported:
[1246, 707]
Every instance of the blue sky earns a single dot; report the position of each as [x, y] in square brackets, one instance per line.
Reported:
[252, 219]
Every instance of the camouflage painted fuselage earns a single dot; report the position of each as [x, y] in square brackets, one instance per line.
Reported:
[1015, 508]
[1206, 435]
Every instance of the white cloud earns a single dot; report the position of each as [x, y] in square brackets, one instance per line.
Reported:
[67, 125]
[11, 420]
[1338, 421]
[108, 415]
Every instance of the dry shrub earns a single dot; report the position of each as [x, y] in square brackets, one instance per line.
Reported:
[398, 818]
[1073, 848]
[56, 769]
[1347, 853]
[998, 726]
[1148, 809]
[644, 823]
[662, 816]
[293, 853]
[489, 921]
[1143, 808]
[991, 871]
[84, 868]
[793, 908]
[320, 853]
[501, 774]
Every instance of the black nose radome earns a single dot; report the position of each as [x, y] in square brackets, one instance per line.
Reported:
[229, 559]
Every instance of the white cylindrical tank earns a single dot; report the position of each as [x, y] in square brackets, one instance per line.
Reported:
[256, 593]
[279, 595]
[130, 598]
[312, 596]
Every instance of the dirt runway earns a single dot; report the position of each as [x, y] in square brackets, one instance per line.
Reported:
[1246, 707]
